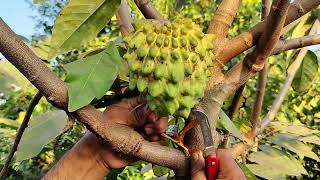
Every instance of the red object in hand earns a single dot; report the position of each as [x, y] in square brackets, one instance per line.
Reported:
[212, 165]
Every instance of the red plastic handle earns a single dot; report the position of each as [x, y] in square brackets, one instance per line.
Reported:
[212, 165]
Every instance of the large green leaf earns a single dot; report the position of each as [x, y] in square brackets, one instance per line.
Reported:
[299, 130]
[42, 129]
[310, 139]
[275, 159]
[225, 122]
[266, 172]
[79, 22]
[92, 76]
[291, 143]
[42, 48]
[306, 73]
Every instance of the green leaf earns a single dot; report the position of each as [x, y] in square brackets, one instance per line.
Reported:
[225, 122]
[291, 143]
[299, 130]
[306, 73]
[92, 77]
[310, 139]
[42, 48]
[79, 22]
[274, 158]
[42, 129]
[249, 175]
[266, 172]
[9, 122]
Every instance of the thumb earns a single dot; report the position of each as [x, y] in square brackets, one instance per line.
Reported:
[198, 166]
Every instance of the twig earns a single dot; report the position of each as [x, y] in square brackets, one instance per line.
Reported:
[20, 132]
[148, 10]
[124, 18]
[293, 68]
[248, 39]
[263, 75]
[296, 43]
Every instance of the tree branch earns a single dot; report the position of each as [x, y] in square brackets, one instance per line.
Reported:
[124, 19]
[263, 75]
[20, 132]
[248, 39]
[293, 68]
[239, 148]
[254, 61]
[148, 10]
[121, 138]
[223, 18]
[296, 43]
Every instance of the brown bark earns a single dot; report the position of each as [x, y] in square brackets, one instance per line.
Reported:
[148, 10]
[296, 43]
[223, 18]
[124, 19]
[248, 39]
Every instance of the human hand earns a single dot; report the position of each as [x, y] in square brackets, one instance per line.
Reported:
[228, 168]
[133, 113]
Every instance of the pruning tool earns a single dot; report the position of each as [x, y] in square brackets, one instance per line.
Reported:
[212, 162]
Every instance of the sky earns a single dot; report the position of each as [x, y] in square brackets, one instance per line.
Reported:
[17, 14]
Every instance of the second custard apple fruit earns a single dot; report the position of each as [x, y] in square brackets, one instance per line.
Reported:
[169, 64]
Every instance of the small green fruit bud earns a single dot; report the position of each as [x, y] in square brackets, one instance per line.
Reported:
[142, 84]
[154, 52]
[148, 67]
[155, 89]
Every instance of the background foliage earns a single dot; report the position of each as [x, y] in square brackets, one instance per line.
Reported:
[292, 139]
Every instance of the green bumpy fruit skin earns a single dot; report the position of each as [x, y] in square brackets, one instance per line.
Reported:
[169, 64]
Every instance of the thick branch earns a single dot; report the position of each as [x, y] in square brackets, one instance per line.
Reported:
[296, 43]
[248, 39]
[223, 18]
[263, 75]
[122, 138]
[148, 10]
[20, 132]
[124, 18]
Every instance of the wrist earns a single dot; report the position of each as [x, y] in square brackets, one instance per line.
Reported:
[90, 147]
